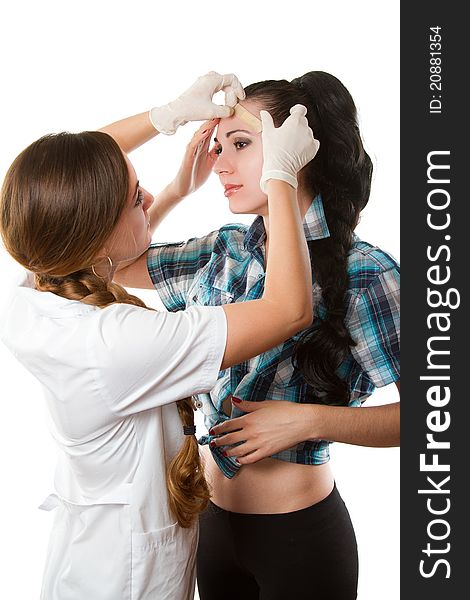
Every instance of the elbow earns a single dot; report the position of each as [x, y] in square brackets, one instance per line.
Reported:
[302, 320]
[304, 323]
[290, 317]
[306, 317]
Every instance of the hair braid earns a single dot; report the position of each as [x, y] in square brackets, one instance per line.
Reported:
[188, 490]
[322, 348]
[88, 288]
[341, 174]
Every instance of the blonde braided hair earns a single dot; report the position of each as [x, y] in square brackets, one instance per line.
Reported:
[61, 200]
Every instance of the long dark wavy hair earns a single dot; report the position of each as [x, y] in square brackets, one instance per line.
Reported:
[341, 173]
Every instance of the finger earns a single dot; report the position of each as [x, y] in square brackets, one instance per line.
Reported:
[240, 450]
[205, 143]
[210, 161]
[231, 81]
[207, 127]
[266, 120]
[216, 79]
[204, 132]
[213, 124]
[222, 112]
[299, 110]
[210, 123]
[194, 143]
[228, 439]
[229, 426]
[213, 156]
[248, 405]
[230, 97]
[205, 137]
[252, 457]
[209, 155]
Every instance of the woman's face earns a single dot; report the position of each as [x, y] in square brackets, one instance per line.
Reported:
[132, 234]
[239, 163]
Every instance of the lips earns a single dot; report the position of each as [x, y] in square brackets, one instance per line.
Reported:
[231, 188]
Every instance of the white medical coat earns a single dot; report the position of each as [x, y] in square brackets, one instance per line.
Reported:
[111, 378]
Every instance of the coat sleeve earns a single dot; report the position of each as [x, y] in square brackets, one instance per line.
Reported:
[143, 358]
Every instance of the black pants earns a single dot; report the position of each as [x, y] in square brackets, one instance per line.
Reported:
[309, 554]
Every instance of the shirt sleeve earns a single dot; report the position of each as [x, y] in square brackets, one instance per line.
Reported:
[173, 267]
[375, 327]
[143, 358]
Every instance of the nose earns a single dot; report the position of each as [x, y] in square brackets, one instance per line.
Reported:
[222, 164]
[148, 200]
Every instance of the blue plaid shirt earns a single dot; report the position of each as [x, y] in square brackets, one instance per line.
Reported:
[227, 265]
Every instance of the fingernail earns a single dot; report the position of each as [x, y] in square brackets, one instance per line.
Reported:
[212, 444]
[236, 400]
[224, 453]
[211, 432]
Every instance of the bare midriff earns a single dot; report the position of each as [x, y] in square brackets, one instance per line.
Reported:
[269, 486]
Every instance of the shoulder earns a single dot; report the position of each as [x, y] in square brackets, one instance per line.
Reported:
[231, 239]
[368, 263]
[234, 229]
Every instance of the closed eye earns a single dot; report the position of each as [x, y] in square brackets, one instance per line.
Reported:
[140, 197]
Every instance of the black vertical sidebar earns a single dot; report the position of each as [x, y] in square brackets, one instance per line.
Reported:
[435, 234]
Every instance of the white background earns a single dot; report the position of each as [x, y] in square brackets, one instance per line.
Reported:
[80, 65]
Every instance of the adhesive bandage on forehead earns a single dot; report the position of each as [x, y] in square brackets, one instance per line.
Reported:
[251, 120]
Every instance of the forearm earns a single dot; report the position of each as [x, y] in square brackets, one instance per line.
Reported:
[374, 426]
[165, 202]
[132, 132]
[288, 274]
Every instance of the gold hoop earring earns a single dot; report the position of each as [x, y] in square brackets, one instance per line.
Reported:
[110, 269]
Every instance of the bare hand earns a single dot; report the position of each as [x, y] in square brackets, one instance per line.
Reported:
[268, 427]
[197, 162]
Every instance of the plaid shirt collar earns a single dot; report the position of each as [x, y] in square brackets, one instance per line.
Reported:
[315, 226]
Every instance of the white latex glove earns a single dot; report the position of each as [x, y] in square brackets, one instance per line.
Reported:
[195, 104]
[288, 148]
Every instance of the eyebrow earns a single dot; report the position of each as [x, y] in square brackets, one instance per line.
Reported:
[229, 133]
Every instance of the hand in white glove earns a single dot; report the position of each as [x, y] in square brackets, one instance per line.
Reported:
[195, 104]
[288, 148]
